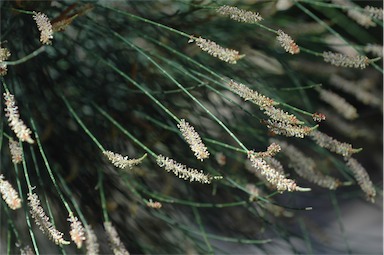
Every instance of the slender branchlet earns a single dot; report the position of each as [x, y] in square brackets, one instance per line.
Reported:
[43, 222]
[306, 167]
[154, 204]
[354, 88]
[16, 151]
[339, 104]
[224, 54]
[239, 15]
[374, 12]
[338, 59]
[251, 95]
[9, 194]
[287, 42]
[91, 242]
[362, 178]
[272, 175]
[193, 139]
[115, 243]
[122, 162]
[184, 172]
[14, 121]
[45, 27]
[289, 130]
[332, 144]
[4, 55]
[77, 231]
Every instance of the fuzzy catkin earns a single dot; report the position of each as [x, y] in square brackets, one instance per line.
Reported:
[339, 104]
[117, 246]
[183, 172]
[91, 242]
[193, 139]
[239, 15]
[16, 151]
[287, 42]
[9, 194]
[272, 175]
[215, 50]
[306, 167]
[77, 231]
[45, 27]
[42, 220]
[338, 59]
[14, 121]
[332, 144]
[122, 162]
[362, 178]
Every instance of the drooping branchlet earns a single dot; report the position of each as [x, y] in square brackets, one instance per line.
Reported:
[193, 139]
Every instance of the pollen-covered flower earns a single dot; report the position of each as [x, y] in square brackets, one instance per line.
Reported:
[16, 151]
[224, 54]
[45, 27]
[331, 144]
[42, 220]
[184, 172]
[239, 15]
[287, 42]
[339, 104]
[193, 139]
[77, 231]
[338, 59]
[14, 121]
[123, 162]
[115, 243]
[9, 194]
[362, 178]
